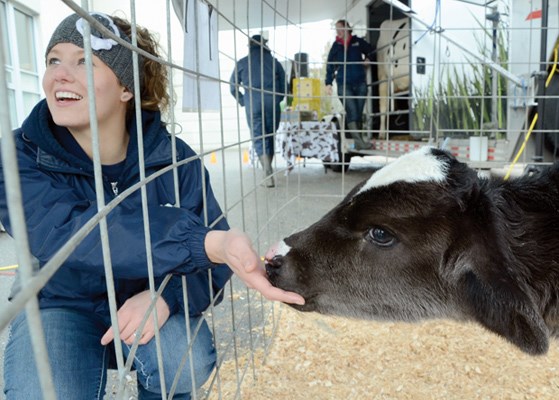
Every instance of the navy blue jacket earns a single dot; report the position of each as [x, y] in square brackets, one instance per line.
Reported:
[353, 60]
[59, 198]
[262, 63]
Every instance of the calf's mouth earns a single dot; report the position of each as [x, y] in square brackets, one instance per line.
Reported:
[275, 278]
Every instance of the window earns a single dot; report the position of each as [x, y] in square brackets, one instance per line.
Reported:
[20, 49]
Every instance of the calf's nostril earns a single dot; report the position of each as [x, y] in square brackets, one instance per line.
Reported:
[275, 262]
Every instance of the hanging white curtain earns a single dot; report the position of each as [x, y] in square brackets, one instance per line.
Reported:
[199, 22]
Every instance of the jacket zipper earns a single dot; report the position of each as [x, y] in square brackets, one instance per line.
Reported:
[114, 187]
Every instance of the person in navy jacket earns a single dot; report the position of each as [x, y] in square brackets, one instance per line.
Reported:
[54, 153]
[262, 79]
[345, 63]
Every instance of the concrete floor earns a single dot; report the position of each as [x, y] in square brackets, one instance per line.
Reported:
[299, 198]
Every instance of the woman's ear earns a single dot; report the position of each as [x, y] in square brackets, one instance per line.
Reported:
[126, 95]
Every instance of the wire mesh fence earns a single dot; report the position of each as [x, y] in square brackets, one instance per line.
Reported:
[470, 77]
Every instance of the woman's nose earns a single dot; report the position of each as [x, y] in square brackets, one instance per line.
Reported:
[63, 73]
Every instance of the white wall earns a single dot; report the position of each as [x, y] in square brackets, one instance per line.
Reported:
[462, 23]
[526, 35]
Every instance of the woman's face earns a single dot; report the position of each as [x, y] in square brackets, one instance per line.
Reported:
[65, 86]
[341, 31]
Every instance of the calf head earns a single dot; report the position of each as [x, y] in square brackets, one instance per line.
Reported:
[417, 240]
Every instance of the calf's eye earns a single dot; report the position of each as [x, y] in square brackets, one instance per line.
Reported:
[381, 237]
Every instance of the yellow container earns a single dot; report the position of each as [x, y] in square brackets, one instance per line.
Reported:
[306, 87]
[306, 104]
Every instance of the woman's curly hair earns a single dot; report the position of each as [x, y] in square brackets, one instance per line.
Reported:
[154, 95]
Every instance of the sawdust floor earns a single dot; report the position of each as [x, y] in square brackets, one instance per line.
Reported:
[314, 357]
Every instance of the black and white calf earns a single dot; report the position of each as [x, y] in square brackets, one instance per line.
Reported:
[424, 237]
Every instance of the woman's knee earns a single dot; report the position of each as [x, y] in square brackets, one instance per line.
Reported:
[191, 367]
[186, 381]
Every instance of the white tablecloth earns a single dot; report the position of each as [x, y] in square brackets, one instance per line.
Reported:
[309, 139]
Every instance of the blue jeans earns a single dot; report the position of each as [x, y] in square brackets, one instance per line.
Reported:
[79, 362]
[262, 129]
[353, 106]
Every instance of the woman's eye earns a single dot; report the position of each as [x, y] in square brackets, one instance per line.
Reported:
[53, 61]
[81, 61]
[381, 237]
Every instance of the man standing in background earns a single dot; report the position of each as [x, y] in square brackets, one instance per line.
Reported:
[262, 79]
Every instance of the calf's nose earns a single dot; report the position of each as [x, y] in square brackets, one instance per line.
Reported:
[273, 267]
[272, 251]
[275, 262]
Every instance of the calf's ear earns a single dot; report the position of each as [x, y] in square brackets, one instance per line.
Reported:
[495, 297]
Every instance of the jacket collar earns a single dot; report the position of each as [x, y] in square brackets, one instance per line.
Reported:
[38, 126]
[351, 41]
[345, 42]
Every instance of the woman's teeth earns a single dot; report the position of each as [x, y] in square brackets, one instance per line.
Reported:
[67, 96]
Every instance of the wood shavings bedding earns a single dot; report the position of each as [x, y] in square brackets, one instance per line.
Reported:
[318, 357]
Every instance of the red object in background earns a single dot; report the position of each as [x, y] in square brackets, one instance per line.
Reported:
[534, 15]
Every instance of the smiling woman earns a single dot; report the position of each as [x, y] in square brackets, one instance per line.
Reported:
[58, 185]
[65, 86]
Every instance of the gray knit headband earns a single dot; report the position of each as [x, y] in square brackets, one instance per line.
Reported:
[117, 57]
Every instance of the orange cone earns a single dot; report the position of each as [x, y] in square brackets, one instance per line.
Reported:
[245, 157]
[213, 158]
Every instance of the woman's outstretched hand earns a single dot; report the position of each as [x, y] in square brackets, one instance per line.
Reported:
[234, 248]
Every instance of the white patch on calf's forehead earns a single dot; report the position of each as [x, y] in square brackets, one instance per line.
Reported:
[283, 249]
[418, 166]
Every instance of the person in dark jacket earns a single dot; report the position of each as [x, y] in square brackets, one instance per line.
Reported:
[345, 64]
[263, 81]
[54, 153]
